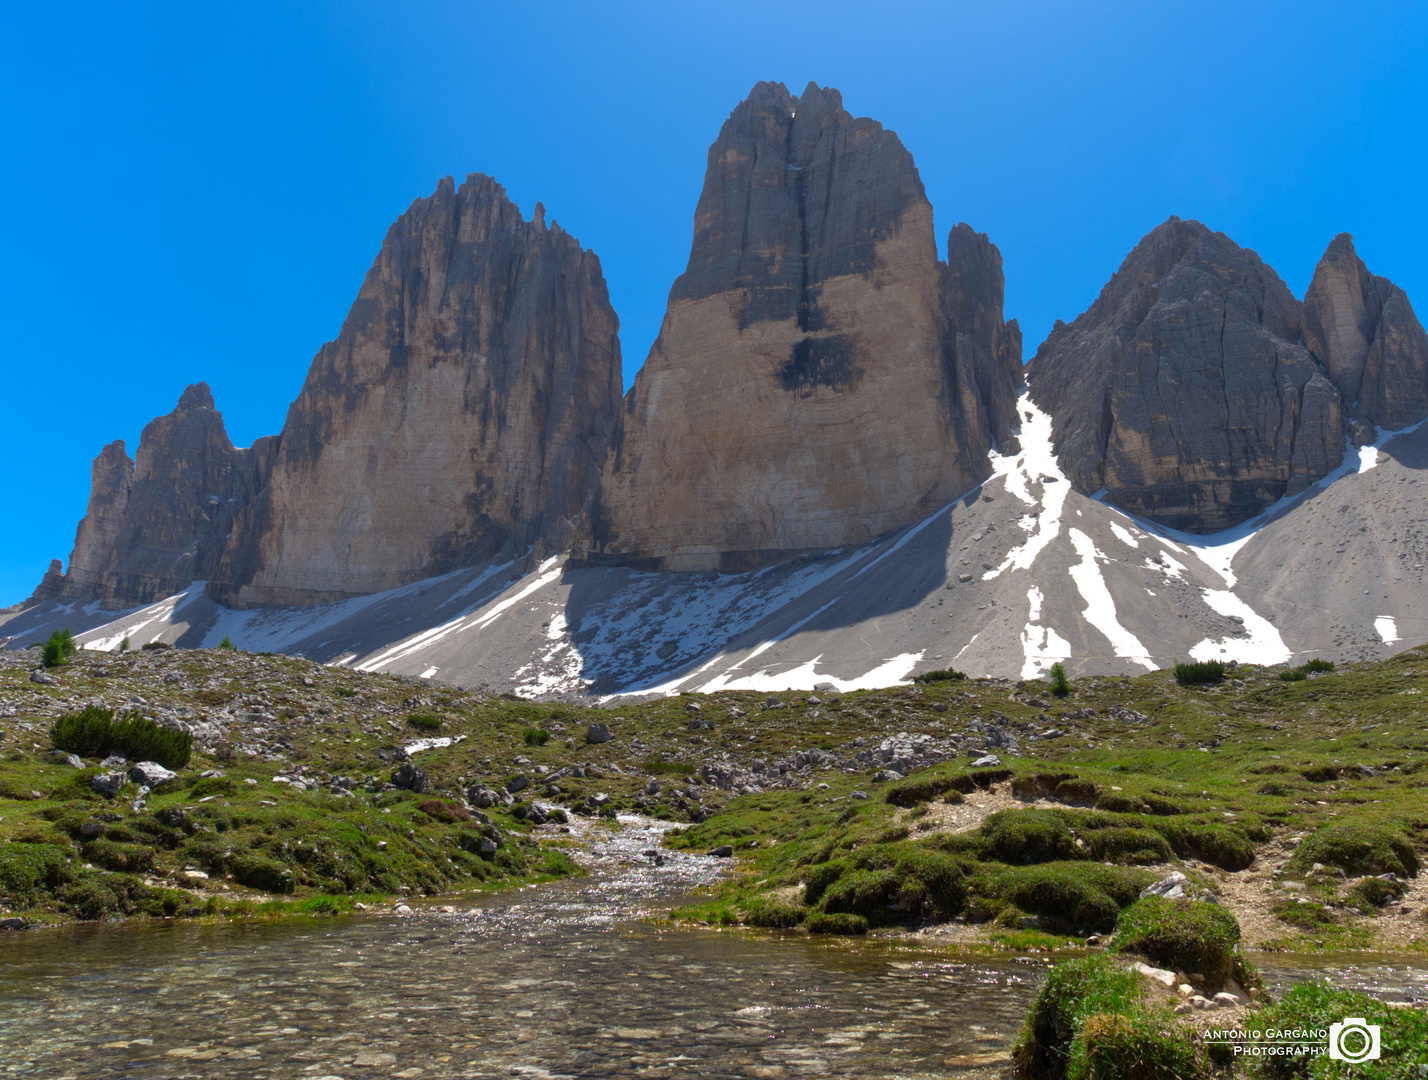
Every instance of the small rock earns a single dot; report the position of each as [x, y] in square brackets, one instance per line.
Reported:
[517, 783]
[109, 783]
[598, 733]
[59, 757]
[990, 761]
[1028, 922]
[724, 851]
[1155, 974]
[151, 773]
[1171, 887]
[691, 707]
[651, 786]
[12, 924]
[1226, 1000]
[482, 797]
[401, 909]
[1183, 1008]
[857, 794]
[44, 679]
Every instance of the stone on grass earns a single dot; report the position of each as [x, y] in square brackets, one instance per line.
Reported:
[598, 733]
[151, 773]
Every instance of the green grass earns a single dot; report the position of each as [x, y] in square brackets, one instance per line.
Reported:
[1183, 935]
[1404, 1034]
[1358, 847]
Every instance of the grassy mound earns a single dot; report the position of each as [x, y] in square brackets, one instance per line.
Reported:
[1357, 847]
[889, 883]
[1091, 1019]
[1067, 897]
[1403, 1034]
[1183, 935]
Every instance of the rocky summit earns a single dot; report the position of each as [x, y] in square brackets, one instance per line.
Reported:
[820, 376]
[833, 418]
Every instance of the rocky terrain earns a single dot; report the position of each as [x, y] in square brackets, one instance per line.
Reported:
[827, 471]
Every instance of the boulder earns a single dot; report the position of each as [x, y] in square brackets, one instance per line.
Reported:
[598, 733]
[410, 778]
[1172, 887]
[110, 783]
[151, 773]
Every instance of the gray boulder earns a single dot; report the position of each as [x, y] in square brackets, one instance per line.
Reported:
[110, 783]
[409, 778]
[151, 773]
[598, 733]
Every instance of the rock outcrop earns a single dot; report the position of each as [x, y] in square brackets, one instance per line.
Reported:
[819, 378]
[1183, 390]
[467, 404]
[156, 524]
[1362, 328]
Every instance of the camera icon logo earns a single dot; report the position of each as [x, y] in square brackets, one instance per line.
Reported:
[1354, 1040]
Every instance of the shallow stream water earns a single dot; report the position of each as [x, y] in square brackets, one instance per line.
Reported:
[565, 980]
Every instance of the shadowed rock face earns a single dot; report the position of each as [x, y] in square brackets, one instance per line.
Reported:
[819, 378]
[467, 403]
[1362, 329]
[1183, 390]
[158, 523]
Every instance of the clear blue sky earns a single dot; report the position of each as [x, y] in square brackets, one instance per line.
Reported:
[194, 191]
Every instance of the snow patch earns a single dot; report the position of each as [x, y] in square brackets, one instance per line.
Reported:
[1036, 461]
[1264, 645]
[1124, 536]
[1100, 606]
[1387, 628]
[892, 672]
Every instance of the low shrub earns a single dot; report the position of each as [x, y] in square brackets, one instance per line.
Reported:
[257, 871]
[1128, 845]
[227, 643]
[425, 721]
[1053, 1042]
[1183, 935]
[887, 883]
[1068, 897]
[1303, 671]
[155, 646]
[120, 857]
[774, 912]
[93, 732]
[839, 923]
[1403, 1034]
[1357, 848]
[1208, 671]
[942, 675]
[1143, 1044]
[1371, 893]
[536, 736]
[1027, 836]
[27, 870]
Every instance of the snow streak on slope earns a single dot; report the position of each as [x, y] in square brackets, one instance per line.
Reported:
[1100, 607]
[1043, 645]
[1035, 464]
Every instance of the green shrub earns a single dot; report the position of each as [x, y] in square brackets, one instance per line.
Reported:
[773, 912]
[1357, 848]
[425, 721]
[227, 643]
[942, 675]
[121, 857]
[27, 870]
[536, 736]
[154, 646]
[1026, 836]
[1073, 991]
[1143, 1044]
[1127, 845]
[886, 883]
[1293, 675]
[1371, 893]
[1303, 671]
[124, 644]
[257, 871]
[93, 732]
[1068, 897]
[1403, 1034]
[1182, 935]
[840, 923]
[1210, 671]
[59, 649]
[1318, 665]
[1059, 684]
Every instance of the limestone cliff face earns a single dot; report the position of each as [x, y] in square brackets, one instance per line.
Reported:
[467, 402]
[819, 377]
[160, 522]
[1361, 327]
[1183, 390]
[111, 478]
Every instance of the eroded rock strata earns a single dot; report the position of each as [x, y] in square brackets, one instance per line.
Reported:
[1183, 391]
[468, 402]
[819, 377]
[1362, 328]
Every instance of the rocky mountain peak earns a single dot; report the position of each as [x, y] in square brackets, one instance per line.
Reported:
[1183, 390]
[196, 396]
[1362, 328]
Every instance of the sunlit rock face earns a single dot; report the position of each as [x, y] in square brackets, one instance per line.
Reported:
[466, 407]
[1184, 391]
[820, 376]
[1362, 328]
[159, 522]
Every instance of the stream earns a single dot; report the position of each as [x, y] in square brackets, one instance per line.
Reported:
[571, 979]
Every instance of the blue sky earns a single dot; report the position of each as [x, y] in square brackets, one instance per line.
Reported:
[194, 191]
